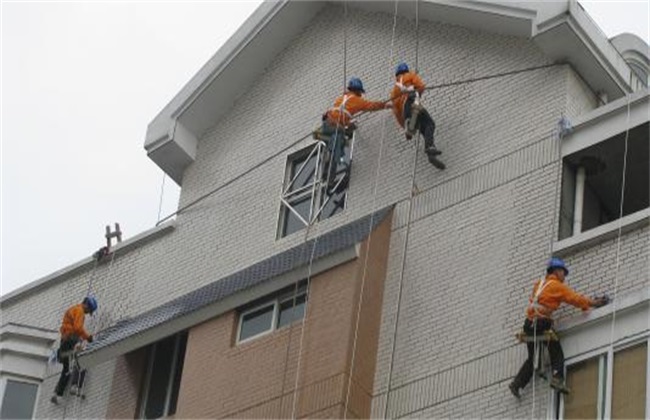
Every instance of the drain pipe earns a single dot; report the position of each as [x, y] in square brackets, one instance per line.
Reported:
[578, 205]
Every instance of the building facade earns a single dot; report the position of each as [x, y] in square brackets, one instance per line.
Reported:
[403, 296]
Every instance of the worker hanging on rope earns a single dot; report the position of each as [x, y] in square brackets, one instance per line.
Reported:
[73, 333]
[409, 112]
[338, 124]
[547, 296]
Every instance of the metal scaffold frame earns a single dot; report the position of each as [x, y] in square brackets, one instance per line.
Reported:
[317, 188]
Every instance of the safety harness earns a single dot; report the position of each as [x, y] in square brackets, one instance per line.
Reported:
[341, 108]
[539, 309]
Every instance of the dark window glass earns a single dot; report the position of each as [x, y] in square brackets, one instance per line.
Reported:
[256, 322]
[291, 222]
[306, 175]
[159, 378]
[18, 401]
[290, 313]
[178, 373]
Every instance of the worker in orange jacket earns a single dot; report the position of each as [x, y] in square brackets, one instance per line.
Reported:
[409, 113]
[72, 332]
[547, 296]
[340, 118]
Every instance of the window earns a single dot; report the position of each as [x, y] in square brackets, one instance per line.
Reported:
[18, 400]
[590, 395]
[163, 377]
[592, 178]
[304, 196]
[272, 312]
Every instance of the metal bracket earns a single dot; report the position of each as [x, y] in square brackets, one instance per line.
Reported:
[317, 188]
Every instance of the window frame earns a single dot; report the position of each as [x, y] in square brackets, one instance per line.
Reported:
[313, 192]
[275, 300]
[170, 383]
[5, 378]
[606, 378]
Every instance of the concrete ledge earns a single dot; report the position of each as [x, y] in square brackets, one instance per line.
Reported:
[602, 233]
[87, 263]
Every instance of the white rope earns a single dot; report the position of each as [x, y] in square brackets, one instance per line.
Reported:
[620, 227]
[162, 192]
[558, 179]
[369, 243]
[311, 257]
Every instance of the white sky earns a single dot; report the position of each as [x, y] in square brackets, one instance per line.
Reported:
[80, 83]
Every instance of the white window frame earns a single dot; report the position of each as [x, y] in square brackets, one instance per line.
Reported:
[254, 309]
[312, 192]
[170, 383]
[606, 374]
[8, 377]
[275, 302]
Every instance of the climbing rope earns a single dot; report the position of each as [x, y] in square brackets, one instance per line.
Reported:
[313, 250]
[370, 224]
[620, 228]
[537, 347]
[406, 239]
[162, 192]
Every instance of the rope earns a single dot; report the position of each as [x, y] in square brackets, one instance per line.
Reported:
[417, 35]
[288, 147]
[558, 180]
[345, 44]
[311, 257]
[620, 227]
[404, 251]
[160, 202]
[370, 223]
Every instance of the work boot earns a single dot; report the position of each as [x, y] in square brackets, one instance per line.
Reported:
[432, 151]
[54, 400]
[514, 389]
[74, 390]
[558, 384]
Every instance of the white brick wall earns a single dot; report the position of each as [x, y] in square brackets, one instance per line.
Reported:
[480, 229]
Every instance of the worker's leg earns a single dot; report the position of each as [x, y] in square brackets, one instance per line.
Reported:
[526, 370]
[428, 128]
[557, 358]
[64, 377]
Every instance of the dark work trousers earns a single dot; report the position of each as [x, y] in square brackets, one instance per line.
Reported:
[424, 123]
[554, 350]
[64, 355]
[336, 147]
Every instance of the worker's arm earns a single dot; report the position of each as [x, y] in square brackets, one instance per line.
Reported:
[372, 105]
[576, 299]
[78, 317]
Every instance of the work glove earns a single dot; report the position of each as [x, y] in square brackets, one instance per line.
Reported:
[599, 301]
[388, 105]
[90, 339]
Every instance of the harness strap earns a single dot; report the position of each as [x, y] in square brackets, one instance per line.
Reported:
[341, 107]
[538, 308]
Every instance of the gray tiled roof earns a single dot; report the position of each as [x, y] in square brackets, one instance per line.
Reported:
[326, 244]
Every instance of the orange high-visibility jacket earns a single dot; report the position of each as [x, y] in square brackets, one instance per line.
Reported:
[73, 323]
[553, 293]
[354, 103]
[399, 97]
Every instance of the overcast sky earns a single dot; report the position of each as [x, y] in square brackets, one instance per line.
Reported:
[80, 83]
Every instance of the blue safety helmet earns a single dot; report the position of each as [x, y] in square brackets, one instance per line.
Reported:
[91, 303]
[556, 262]
[356, 85]
[401, 68]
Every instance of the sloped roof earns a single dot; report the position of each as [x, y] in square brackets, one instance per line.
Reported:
[329, 243]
